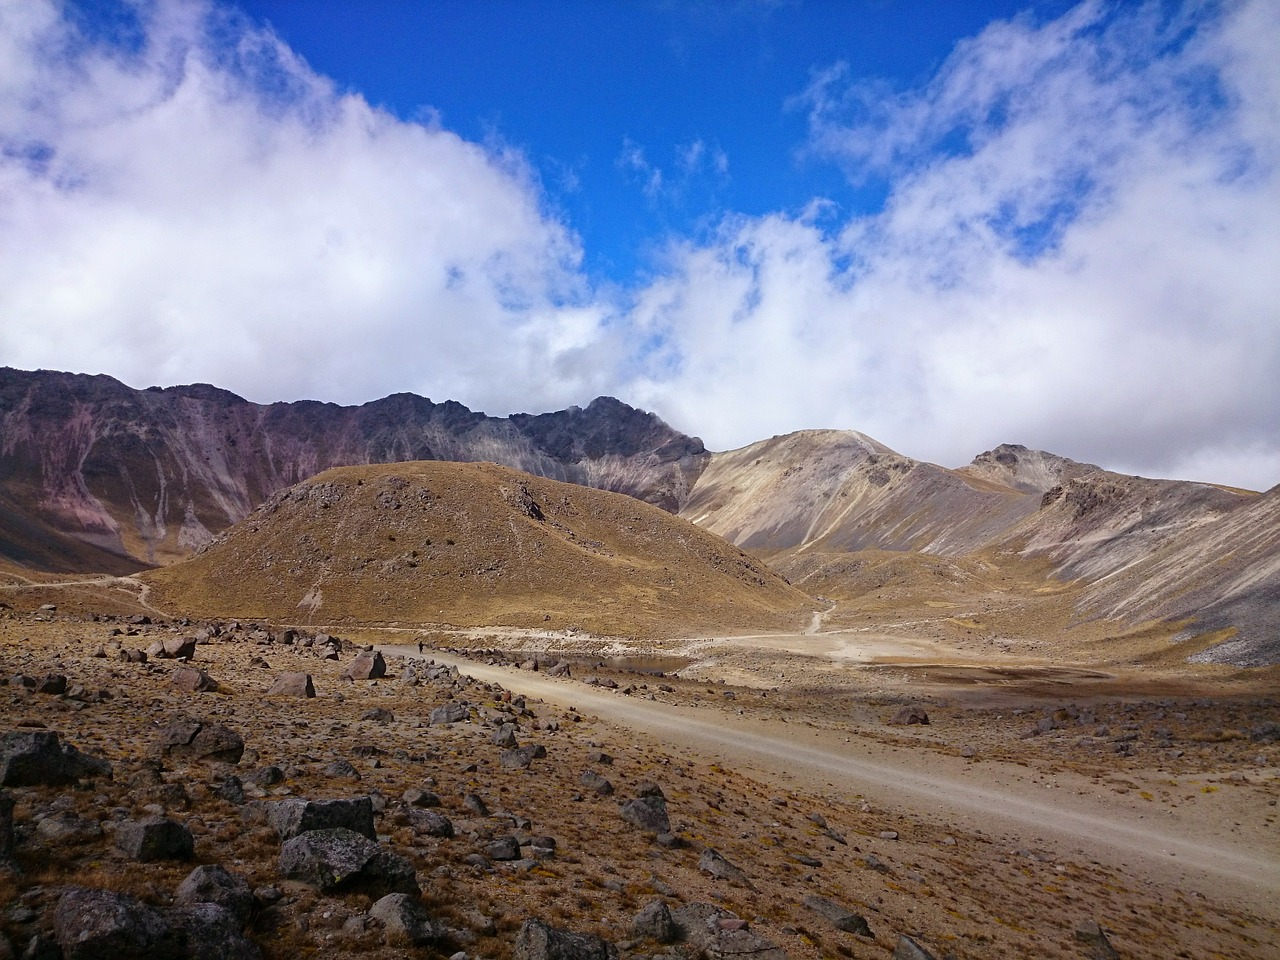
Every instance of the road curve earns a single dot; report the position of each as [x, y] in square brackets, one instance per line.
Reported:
[1076, 820]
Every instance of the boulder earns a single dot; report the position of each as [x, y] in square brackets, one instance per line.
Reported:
[655, 922]
[155, 838]
[713, 864]
[503, 848]
[368, 665]
[194, 680]
[505, 736]
[713, 932]
[1096, 944]
[451, 712]
[208, 931]
[540, 941]
[67, 829]
[290, 818]
[431, 823]
[647, 813]
[595, 783]
[52, 684]
[37, 758]
[292, 684]
[519, 758]
[378, 715]
[342, 860]
[185, 737]
[405, 921]
[93, 924]
[214, 883]
[908, 949]
[180, 648]
[839, 917]
[909, 715]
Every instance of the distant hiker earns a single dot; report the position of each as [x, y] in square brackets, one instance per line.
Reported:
[419, 646]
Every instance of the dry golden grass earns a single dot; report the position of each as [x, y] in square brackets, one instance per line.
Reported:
[476, 544]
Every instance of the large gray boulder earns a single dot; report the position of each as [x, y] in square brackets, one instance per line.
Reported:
[451, 712]
[214, 883]
[655, 922]
[908, 949]
[155, 838]
[405, 921]
[290, 818]
[839, 917]
[208, 931]
[648, 813]
[37, 758]
[540, 941]
[94, 924]
[200, 740]
[342, 860]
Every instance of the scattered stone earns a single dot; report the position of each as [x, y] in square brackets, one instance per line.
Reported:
[378, 715]
[292, 684]
[595, 783]
[214, 883]
[909, 715]
[194, 680]
[1095, 941]
[367, 665]
[290, 818]
[340, 770]
[839, 917]
[52, 684]
[405, 921]
[185, 737]
[908, 949]
[888, 834]
[713, 864]
[505, 736]
[503, 848]
[540, 941]
[37, 758]
[416, 797]
[93, 924]
[431, 823]
[451, 712]
[342, 860]
[476, 805]
[68, 829]
[712, 932]
[208, 931]
[519, 758]
[655, 922]
[155, 838]
[648, 813]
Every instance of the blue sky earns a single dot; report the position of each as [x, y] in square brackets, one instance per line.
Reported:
[945, 224]
[641, 118]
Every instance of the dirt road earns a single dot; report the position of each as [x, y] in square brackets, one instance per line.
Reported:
[1069, 815]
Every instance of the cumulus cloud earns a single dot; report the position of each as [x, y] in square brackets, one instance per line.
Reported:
[198, 204]
[1077, 252]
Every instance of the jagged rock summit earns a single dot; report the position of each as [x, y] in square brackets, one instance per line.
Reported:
[97, 475]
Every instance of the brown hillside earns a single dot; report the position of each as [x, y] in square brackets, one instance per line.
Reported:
[476, 545]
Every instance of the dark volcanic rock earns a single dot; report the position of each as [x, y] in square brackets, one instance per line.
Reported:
[406, 921]
[1095, 941]
[95, 924]
[214, 883]
[185, 737]
[289, 818]
[909, 715]
[155, 838]
[655, 922]
[839, 917]
[647, 813]
[368, 665]
[342, 860]
[540, 941]
[37, 758]
[208, 931]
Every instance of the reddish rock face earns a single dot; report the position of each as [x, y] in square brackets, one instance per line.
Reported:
[108, 478]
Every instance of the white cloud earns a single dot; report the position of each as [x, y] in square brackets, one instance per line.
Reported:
[208, 208]
[1078, 252]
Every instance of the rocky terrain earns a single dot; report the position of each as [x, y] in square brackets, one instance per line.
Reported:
[95, 474]
[174, 789]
